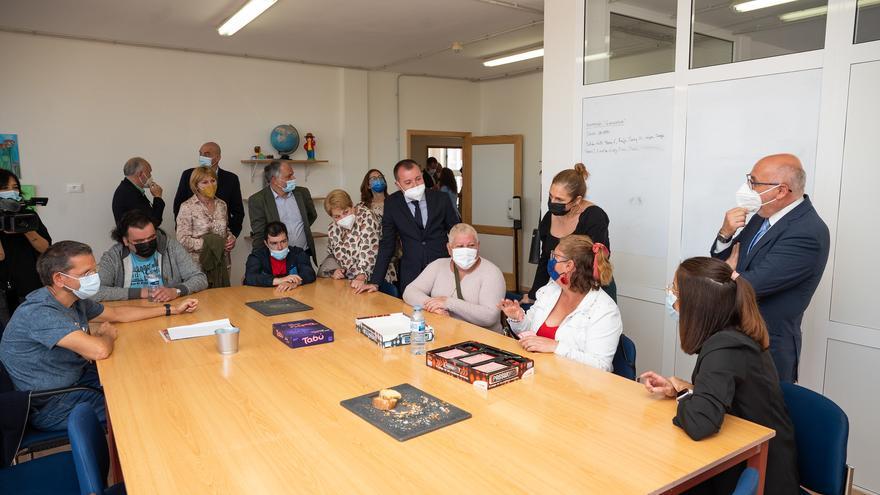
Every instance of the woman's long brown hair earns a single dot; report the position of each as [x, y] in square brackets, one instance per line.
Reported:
[710, 301]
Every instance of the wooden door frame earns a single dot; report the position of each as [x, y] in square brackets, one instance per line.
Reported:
[466, 204]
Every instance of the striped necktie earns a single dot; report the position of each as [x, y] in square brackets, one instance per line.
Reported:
[763, 230]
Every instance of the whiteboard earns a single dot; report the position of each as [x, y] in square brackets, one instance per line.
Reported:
[854, 289]
[627, 147]
[732, 124]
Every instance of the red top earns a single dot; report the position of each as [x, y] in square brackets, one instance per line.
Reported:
[547, 331]
[279, 267]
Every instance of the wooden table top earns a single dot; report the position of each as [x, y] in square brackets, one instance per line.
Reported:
[268, 419]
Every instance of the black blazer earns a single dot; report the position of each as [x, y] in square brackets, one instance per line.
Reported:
[228, 189]
[785, 266]
[733, 375]
[258, 270]
[420, 246]
[128, 197]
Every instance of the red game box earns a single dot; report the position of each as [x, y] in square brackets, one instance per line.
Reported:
[483, 365]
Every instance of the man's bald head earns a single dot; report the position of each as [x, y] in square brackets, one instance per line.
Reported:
[784, 168]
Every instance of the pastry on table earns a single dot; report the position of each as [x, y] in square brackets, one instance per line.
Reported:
[387, 399]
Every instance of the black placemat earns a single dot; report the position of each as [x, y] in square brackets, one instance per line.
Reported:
[275, 307]
[416, 413]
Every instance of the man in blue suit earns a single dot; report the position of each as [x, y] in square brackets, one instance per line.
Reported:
[781, 251]
[420, 218]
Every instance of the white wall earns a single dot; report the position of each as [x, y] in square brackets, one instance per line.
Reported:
[81, 109]
[513, 106]
[836, 355]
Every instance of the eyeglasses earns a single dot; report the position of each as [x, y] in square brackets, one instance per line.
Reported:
[752, 182]
[558, 258]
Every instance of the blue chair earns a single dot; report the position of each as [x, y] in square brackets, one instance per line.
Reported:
[23, 439]
[90, 453]
[821, 431]
[54, 474]
[748, 482]
[625, 358]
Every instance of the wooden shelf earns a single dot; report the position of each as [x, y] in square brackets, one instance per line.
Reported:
[292, 162]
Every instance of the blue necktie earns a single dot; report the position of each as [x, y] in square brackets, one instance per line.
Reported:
[764, 228]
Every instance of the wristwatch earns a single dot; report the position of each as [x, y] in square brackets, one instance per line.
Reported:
[683, 394]
[722, 239]
[167, 310]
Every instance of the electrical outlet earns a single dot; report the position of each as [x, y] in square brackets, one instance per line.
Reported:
[75, 188]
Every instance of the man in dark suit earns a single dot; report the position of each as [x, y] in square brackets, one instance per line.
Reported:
[228, 187]
[276, 264]
[130, 193]
[420, 218]
[283, 201]
[781, 251]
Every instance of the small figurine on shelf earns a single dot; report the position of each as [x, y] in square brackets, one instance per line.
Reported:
[258, 154]
[309, 146]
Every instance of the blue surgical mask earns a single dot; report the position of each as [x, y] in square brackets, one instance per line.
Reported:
[88, 285]
[671, 298]
[377, 184]
[290, 186]
[204, 161]
[11, 194]
[551, 268]
[280, 255]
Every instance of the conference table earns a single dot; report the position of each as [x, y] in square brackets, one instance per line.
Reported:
[268, 419]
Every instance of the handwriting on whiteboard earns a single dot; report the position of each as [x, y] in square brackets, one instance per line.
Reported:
[614, 137]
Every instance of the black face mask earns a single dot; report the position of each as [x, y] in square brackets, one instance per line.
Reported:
[557, 209]
[146, 249]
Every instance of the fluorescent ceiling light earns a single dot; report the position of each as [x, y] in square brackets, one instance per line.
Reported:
[245, 15]
[804, 14]
[800, 15]
[758, 4]
[516, 57]
[597, 56]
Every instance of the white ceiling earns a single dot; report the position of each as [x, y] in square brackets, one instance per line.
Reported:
[373, 34]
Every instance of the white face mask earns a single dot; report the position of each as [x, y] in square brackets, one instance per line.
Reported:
[464, 257]
[415, 193]
[750, 199]
[346, 222]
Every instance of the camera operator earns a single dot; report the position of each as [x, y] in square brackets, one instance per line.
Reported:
[19, 253]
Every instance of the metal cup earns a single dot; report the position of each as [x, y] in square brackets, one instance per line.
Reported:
[227, 340]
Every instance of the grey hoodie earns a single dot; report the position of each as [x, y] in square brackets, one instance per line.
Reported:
[178, 270]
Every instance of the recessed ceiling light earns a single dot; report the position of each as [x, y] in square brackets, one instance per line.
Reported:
[804, 14]
[758, 4]
[597, 56]
[245, 15]
[516, 57]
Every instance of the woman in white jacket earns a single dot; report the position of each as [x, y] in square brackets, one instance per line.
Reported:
[572, 315]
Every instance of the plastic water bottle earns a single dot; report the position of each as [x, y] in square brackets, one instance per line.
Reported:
[417, 333]
[153, 283]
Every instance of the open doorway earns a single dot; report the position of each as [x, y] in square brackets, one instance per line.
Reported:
[491, 165]
[447, 148]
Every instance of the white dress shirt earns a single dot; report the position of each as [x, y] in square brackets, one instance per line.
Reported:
[291, 217]
[721, 246]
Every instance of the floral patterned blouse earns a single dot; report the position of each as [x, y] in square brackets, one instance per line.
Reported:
[355, 250]
[194, 221]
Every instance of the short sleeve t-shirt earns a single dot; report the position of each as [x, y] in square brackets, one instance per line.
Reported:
[28, 348]
[140, 267]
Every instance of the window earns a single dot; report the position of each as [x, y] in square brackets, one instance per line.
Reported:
[755, 29]
[628, 38]
[868, 21]
[451, 159]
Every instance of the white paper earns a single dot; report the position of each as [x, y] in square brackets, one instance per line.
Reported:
[197, 329]
[389, 326]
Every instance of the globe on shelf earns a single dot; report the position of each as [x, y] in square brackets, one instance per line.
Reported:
[285, 139]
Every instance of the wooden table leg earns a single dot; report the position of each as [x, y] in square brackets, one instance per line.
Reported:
[115, 465]
[759, 462]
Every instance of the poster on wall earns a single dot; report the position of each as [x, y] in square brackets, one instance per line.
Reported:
[9, 158]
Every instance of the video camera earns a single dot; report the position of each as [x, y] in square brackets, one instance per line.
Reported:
[14, 218]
